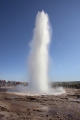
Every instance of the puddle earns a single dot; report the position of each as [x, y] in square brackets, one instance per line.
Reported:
[54, 111]
[70, 116]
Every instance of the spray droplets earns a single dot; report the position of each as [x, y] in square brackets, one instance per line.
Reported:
[39, 54]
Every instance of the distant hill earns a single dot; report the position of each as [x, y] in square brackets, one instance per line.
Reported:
[71, 84]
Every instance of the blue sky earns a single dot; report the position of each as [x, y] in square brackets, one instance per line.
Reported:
[17, 21]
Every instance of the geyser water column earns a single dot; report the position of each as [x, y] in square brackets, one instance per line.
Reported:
[39, 61]
[39, 56]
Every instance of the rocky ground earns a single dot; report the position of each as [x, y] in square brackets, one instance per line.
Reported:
[45, 107]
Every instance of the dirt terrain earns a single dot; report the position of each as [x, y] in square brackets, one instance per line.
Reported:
[45, 107]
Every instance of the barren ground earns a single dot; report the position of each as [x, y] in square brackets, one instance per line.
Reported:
[62, 107]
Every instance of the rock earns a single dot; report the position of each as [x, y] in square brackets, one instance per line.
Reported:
[1, 116]
[57, 116]
[70, 116]
[18, 113]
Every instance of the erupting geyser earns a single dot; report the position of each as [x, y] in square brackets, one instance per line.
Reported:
[39, 56]
[39, 60]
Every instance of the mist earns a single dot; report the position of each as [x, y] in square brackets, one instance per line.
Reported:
[38, 60]
[39, 56]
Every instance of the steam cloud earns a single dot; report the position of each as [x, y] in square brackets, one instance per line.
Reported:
[39, 57]
[39, 60]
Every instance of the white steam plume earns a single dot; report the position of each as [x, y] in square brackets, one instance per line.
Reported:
[39, 56]
[39, 60]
